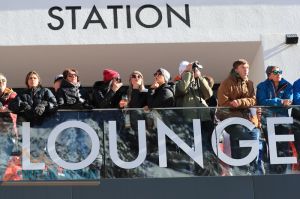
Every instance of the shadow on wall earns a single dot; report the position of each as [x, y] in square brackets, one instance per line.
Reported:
[275, 50]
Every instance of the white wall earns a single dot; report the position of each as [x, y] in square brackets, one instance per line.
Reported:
[215, 22]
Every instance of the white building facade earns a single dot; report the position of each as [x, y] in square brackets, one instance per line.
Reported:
[49, 36]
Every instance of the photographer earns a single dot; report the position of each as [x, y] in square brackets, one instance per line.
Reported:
[108, 93]
[192, 91]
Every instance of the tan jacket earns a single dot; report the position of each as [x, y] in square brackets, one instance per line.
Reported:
[234, 88]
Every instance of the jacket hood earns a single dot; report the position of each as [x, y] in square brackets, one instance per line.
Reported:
[234, 75]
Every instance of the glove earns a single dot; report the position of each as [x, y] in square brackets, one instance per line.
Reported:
[25, 106]
[71, 100]
[39, 109]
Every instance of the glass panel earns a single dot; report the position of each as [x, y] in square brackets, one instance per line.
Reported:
[134, 143]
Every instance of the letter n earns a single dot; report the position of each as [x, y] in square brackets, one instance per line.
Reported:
[164, 131]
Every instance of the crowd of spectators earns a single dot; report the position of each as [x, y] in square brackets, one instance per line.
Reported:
[236, 97]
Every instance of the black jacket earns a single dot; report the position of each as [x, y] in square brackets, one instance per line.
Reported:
[104, 97]
[25, 104]
[70, 96]
[161, 97]
[138, 99]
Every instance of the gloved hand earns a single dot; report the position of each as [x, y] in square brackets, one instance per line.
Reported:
[71, 100]
[25, 106]
[39, 109]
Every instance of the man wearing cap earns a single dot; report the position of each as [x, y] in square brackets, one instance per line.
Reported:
[192, 91]
[161, 94]
[108, 93]
[235, 96]
[277, 92]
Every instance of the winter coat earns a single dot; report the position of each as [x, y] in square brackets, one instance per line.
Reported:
[25, 104]
[296, 91]
[296, 100]
[7, 96]
[104, 97]
[192, 92]
[267, 96]
[70, 96]
[161, 97]
[138, 99]
[235, 88]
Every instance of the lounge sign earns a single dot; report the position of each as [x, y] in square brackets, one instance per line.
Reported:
[163, 131]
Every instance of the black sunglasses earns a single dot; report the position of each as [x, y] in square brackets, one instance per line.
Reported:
[157, 74]
[136, 76]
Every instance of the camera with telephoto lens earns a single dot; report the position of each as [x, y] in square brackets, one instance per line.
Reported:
[196, 64]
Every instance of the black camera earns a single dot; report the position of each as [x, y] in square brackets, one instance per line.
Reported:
[196, 64]
[118, 79]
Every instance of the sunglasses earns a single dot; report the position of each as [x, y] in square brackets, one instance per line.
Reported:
[277, 72]
[157, 74]
[136, 76]
[72, 75]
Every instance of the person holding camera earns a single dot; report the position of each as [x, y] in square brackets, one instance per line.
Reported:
[108, 93]
[191, 91]
[277, 92]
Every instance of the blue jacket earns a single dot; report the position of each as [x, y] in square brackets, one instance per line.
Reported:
[266, 95]
[296, 91]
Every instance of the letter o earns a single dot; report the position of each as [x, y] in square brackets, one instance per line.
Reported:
[79, 165]
[138, 19]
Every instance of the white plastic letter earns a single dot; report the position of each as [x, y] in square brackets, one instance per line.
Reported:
[163, 131]
[68, 165]
[273, 138]
[113, 147]
[26, 164]
[254, 144]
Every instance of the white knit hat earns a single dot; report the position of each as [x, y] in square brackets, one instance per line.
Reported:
[165, 73]
[182, 66]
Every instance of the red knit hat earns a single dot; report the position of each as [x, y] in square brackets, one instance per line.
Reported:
[109, 74]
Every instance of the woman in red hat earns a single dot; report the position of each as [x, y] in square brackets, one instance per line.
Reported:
[108, 93]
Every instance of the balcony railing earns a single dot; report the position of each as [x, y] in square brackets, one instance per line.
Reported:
[85, 146]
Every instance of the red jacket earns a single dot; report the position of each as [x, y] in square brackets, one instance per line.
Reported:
[7, 96]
